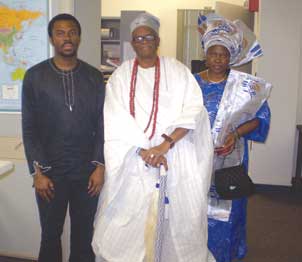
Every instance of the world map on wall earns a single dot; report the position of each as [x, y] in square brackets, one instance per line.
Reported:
[23, 43]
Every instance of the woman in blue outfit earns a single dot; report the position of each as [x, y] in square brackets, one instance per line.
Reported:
[222, 41]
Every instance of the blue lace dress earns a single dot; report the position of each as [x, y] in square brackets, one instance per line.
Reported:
[227, 240]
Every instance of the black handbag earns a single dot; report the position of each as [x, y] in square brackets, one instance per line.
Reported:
[233, 182]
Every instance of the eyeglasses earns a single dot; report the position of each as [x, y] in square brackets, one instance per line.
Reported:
[142, 38]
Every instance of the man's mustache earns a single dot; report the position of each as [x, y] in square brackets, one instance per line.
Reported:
[67, 43]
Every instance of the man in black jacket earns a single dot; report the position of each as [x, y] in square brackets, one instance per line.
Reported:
[62, 121]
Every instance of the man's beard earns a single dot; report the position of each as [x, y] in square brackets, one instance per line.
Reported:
[68, 55]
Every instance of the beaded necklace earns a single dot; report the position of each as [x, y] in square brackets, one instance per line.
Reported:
[154, 110]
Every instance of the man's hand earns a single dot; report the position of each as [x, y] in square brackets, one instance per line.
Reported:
[155, 155]
[96, 180]
[44, 186]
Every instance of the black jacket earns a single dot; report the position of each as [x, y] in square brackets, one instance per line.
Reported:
[62, 118]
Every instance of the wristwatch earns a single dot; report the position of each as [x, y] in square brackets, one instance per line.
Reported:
[168, 139]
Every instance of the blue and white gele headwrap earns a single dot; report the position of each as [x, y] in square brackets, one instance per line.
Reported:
[235, 36]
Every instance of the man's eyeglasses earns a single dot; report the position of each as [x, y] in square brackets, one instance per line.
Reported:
[142, 38]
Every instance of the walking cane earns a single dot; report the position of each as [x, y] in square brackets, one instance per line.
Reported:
[162, 212]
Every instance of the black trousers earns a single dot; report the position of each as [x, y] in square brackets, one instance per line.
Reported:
[82, 209]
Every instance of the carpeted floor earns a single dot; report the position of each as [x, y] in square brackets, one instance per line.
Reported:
[274, 228]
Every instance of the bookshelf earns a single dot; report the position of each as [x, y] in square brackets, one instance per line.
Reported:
[110, 45]
[116, 41]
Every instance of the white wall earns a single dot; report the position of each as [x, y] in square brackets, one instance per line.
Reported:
[90, 20]
[165, 10]
[280, 36]
[299, 56]
[57, 6]
[19, 222]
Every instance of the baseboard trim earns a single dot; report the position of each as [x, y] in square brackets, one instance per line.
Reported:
[272, 188]
[17, 258]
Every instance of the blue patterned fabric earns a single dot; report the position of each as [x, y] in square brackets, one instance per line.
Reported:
[227, 240]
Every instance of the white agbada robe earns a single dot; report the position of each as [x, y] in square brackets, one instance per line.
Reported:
[123, 225]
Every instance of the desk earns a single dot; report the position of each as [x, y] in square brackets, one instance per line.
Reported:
[5, 166]
[297, 179]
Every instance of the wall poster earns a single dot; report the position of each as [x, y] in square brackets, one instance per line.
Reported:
[23, 43]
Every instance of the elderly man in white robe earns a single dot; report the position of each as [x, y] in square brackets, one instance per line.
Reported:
[154, 119]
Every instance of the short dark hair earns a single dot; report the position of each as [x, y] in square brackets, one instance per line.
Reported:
[62, 17]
